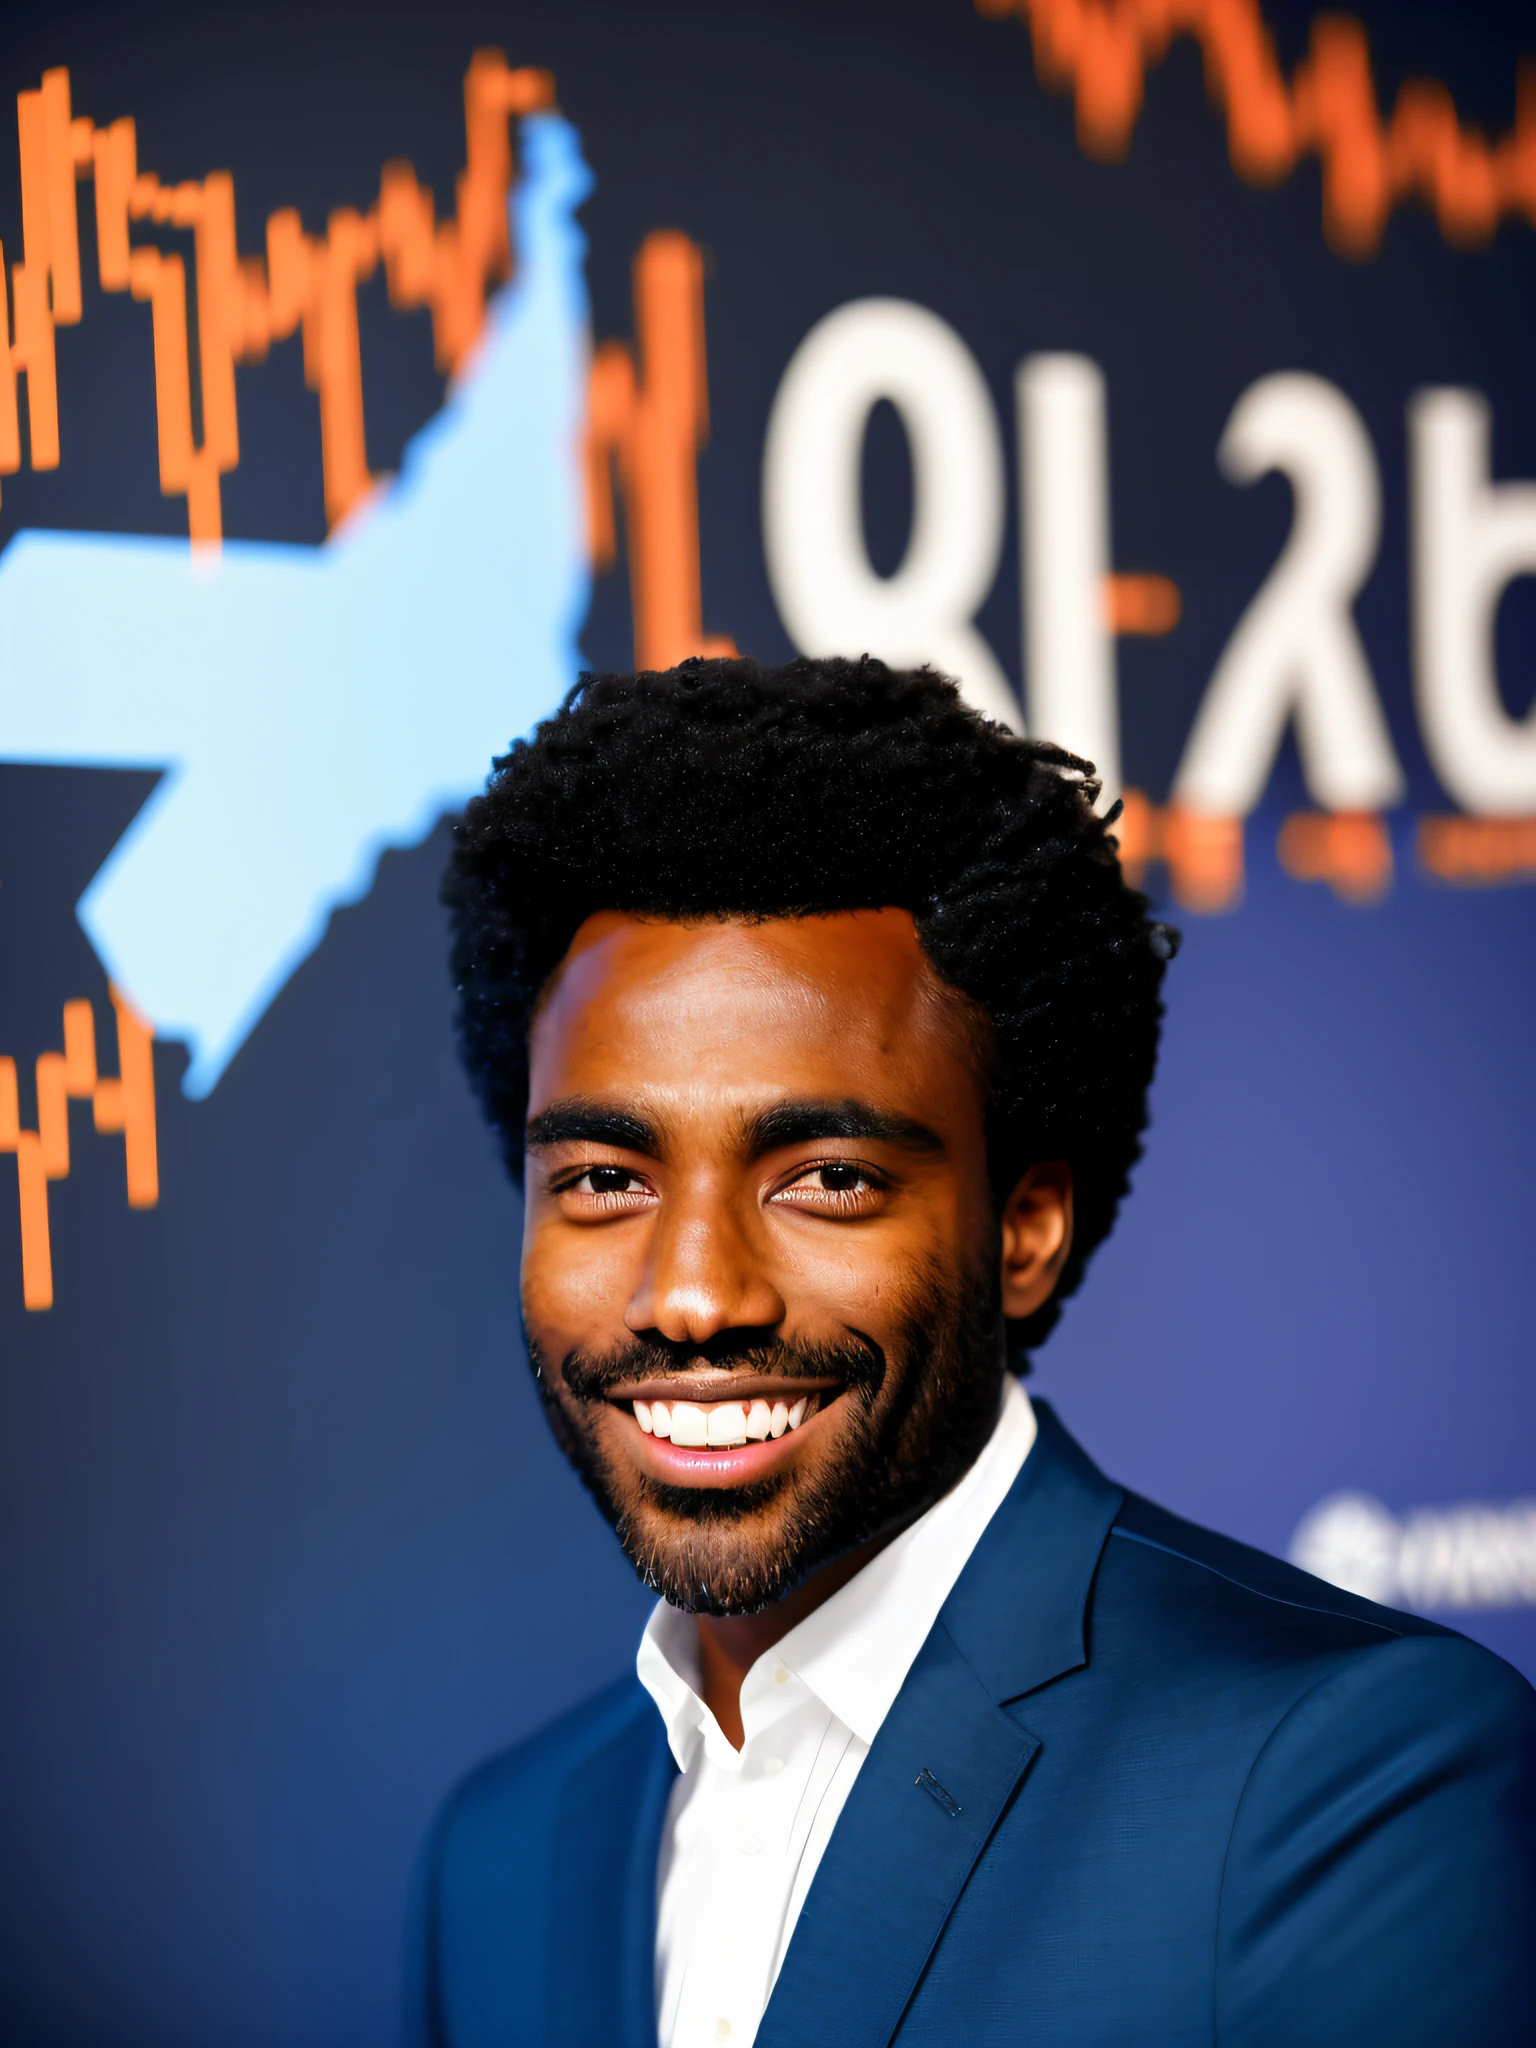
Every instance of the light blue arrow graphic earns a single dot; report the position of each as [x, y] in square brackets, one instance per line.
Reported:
[311, 706]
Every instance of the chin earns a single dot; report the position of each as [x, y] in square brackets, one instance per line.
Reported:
[713, 1550]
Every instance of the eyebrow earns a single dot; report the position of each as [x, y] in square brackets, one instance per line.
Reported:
[801, 1123]
[580, 1121]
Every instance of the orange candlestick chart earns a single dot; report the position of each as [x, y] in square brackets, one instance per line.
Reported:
[649, 427]
[1101, 51]
[304, 283]
[649, 419]
[124, 1103]
[646, 426]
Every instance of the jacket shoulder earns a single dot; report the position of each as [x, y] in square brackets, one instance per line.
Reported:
[1380, 1877]
[1377, 1808]
[1339, 1658]
[1252, 1580]
[516, 1785]
[480, 1921]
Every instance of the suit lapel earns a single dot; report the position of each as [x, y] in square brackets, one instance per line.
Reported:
[603, 1883]
[1018, 1609]
[637, 1956]
[940, 1773]
[947, 1760]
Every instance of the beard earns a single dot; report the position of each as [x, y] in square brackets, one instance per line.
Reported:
[910, 1423]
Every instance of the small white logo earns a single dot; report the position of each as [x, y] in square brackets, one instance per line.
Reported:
[1430, 1559]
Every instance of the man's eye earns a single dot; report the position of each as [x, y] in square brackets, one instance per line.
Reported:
[607, 1184]
[838, 1180]
[835, 1186]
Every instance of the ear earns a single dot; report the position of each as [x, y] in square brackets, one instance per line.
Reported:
[1036, 1237]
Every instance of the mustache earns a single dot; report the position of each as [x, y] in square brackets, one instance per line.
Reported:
[858, 1363]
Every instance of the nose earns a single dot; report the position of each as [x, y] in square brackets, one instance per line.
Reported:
[703, 1275]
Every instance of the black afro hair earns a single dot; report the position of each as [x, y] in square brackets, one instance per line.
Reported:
[725, 789]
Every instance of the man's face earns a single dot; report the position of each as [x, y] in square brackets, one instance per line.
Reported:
[760, 1257]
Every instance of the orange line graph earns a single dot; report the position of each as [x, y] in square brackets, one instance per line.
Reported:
[648, 426]
[124, 1102]
[649, 417]
[245, 303]
[1101, 51]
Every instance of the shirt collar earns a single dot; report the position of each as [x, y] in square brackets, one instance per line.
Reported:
[855, 1651]
[667, 1665]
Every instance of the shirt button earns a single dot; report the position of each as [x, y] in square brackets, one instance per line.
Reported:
[747, 1844]
[722, 2030]
[772, 1765]
[781, 1675]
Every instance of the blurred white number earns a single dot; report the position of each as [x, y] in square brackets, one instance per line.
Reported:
[1069, 651]
[829, 594]
[1471, 538]
[1296, 652]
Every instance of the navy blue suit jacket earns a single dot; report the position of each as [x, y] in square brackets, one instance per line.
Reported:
[1192, 1796]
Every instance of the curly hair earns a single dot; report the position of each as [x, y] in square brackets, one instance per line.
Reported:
[726, 789]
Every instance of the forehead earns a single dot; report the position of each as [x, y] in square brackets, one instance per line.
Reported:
[730, 1011]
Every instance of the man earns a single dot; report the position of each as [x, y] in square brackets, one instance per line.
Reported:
[819, 1020]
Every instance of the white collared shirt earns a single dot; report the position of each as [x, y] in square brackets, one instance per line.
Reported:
[746, 1829]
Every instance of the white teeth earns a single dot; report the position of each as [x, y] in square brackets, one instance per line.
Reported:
[690, 1425]
[727, 1424]
[721, 1425]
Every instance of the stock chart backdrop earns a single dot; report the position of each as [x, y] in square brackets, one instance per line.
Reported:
[1162, 368]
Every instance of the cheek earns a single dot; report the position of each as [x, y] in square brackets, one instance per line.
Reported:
[857, 1283]
[864, 1279]
[576, 1282]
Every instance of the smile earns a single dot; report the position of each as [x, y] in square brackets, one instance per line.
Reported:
[684, 1437]
[723, 1425]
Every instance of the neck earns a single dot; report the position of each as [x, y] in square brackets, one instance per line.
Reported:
[730, 1644]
